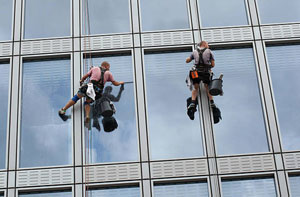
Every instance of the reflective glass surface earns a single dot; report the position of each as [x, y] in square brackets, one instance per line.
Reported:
[120, 144]
[47, 194]
[105, 16]
[294, 185]
[4, 84]
[181, 190]
[284, 67]
[47, 18]
[172, 133]
[115, 192]
[164, 14]
[216, 13]
[242, 128]
[258, 187]
[45, 138]
[5, 19]
[279, 11]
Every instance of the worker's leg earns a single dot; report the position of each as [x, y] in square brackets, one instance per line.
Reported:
[210, 97]
[192, 107]
[72, 101]
[195, 91]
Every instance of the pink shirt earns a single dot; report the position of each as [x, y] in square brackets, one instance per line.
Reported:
[95, 74]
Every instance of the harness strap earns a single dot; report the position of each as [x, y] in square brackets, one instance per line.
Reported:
[201, 66]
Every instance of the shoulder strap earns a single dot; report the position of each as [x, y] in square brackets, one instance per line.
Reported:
[200, 52]
[101, 81]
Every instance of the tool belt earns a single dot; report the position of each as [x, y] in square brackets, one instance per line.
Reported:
[200, 70]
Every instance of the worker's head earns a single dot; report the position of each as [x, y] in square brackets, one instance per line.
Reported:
[105, 65]
[203, 44]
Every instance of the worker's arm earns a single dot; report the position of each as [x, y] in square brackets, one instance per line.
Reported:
[212, 63]
[115, 83]
[188, 60]
[83, 78]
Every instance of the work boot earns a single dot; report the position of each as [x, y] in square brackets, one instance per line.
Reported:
[62, 114]
[191, 111]
[212, 105]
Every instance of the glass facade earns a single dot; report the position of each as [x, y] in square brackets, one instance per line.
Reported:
[6, 8]
[48, 18]
[47, 194]
[102, 144]
[154, 15]
[218, 13]
[105, 16]
[240, 105]
[284, 66]
[181, 189]
[249, 187]
[4, 84]
[45, 139]
[115, 192]
[165, 75]
[269, 9]
[157, 150]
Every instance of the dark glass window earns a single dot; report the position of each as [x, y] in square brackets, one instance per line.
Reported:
[45, 138]
[120, 144]
[172, 133]
[264, 187]
[242, 129]
[164, 14]
[5, 19]
[47, 18]
[4, 85]
[284, 67]
[181, 190]
[279, 11]
[105, 16]
[116, 192]
[216, 13]
[47, 194]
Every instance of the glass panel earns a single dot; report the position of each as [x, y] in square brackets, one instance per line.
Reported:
[172, 133]
[105, 16]
[116, 192]
[5, 19]
[215, 13]
[181, 190]
[121, 144]
[47, 194]
[279, 11]
[157, 15]
[242, 129]
[4, 84]
[264, 187]
[45, 138]
[295, 185]
[284, 66]
[47, 18]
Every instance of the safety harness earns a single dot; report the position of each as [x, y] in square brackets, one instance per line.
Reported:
[99, 85]
[200, 67]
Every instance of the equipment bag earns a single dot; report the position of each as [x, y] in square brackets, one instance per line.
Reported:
[109, 124]
[215, 87]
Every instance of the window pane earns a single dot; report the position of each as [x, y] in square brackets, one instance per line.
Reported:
[181, 190]
[5, 19]
[45, 138]
[47, 18]
[172, 133]
[216, 13]
[264, 187]
[284, 67]
[115, 192]
[279, 11]
[158, 15]
[295, 185]
[121, 144]
[105, 16]
[47, 194]
[4, 83]
[242, 129]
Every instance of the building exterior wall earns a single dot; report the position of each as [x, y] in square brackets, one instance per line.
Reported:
[217, 171]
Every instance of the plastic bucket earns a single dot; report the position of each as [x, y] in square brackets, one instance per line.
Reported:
[215, 87]
[106, 110]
